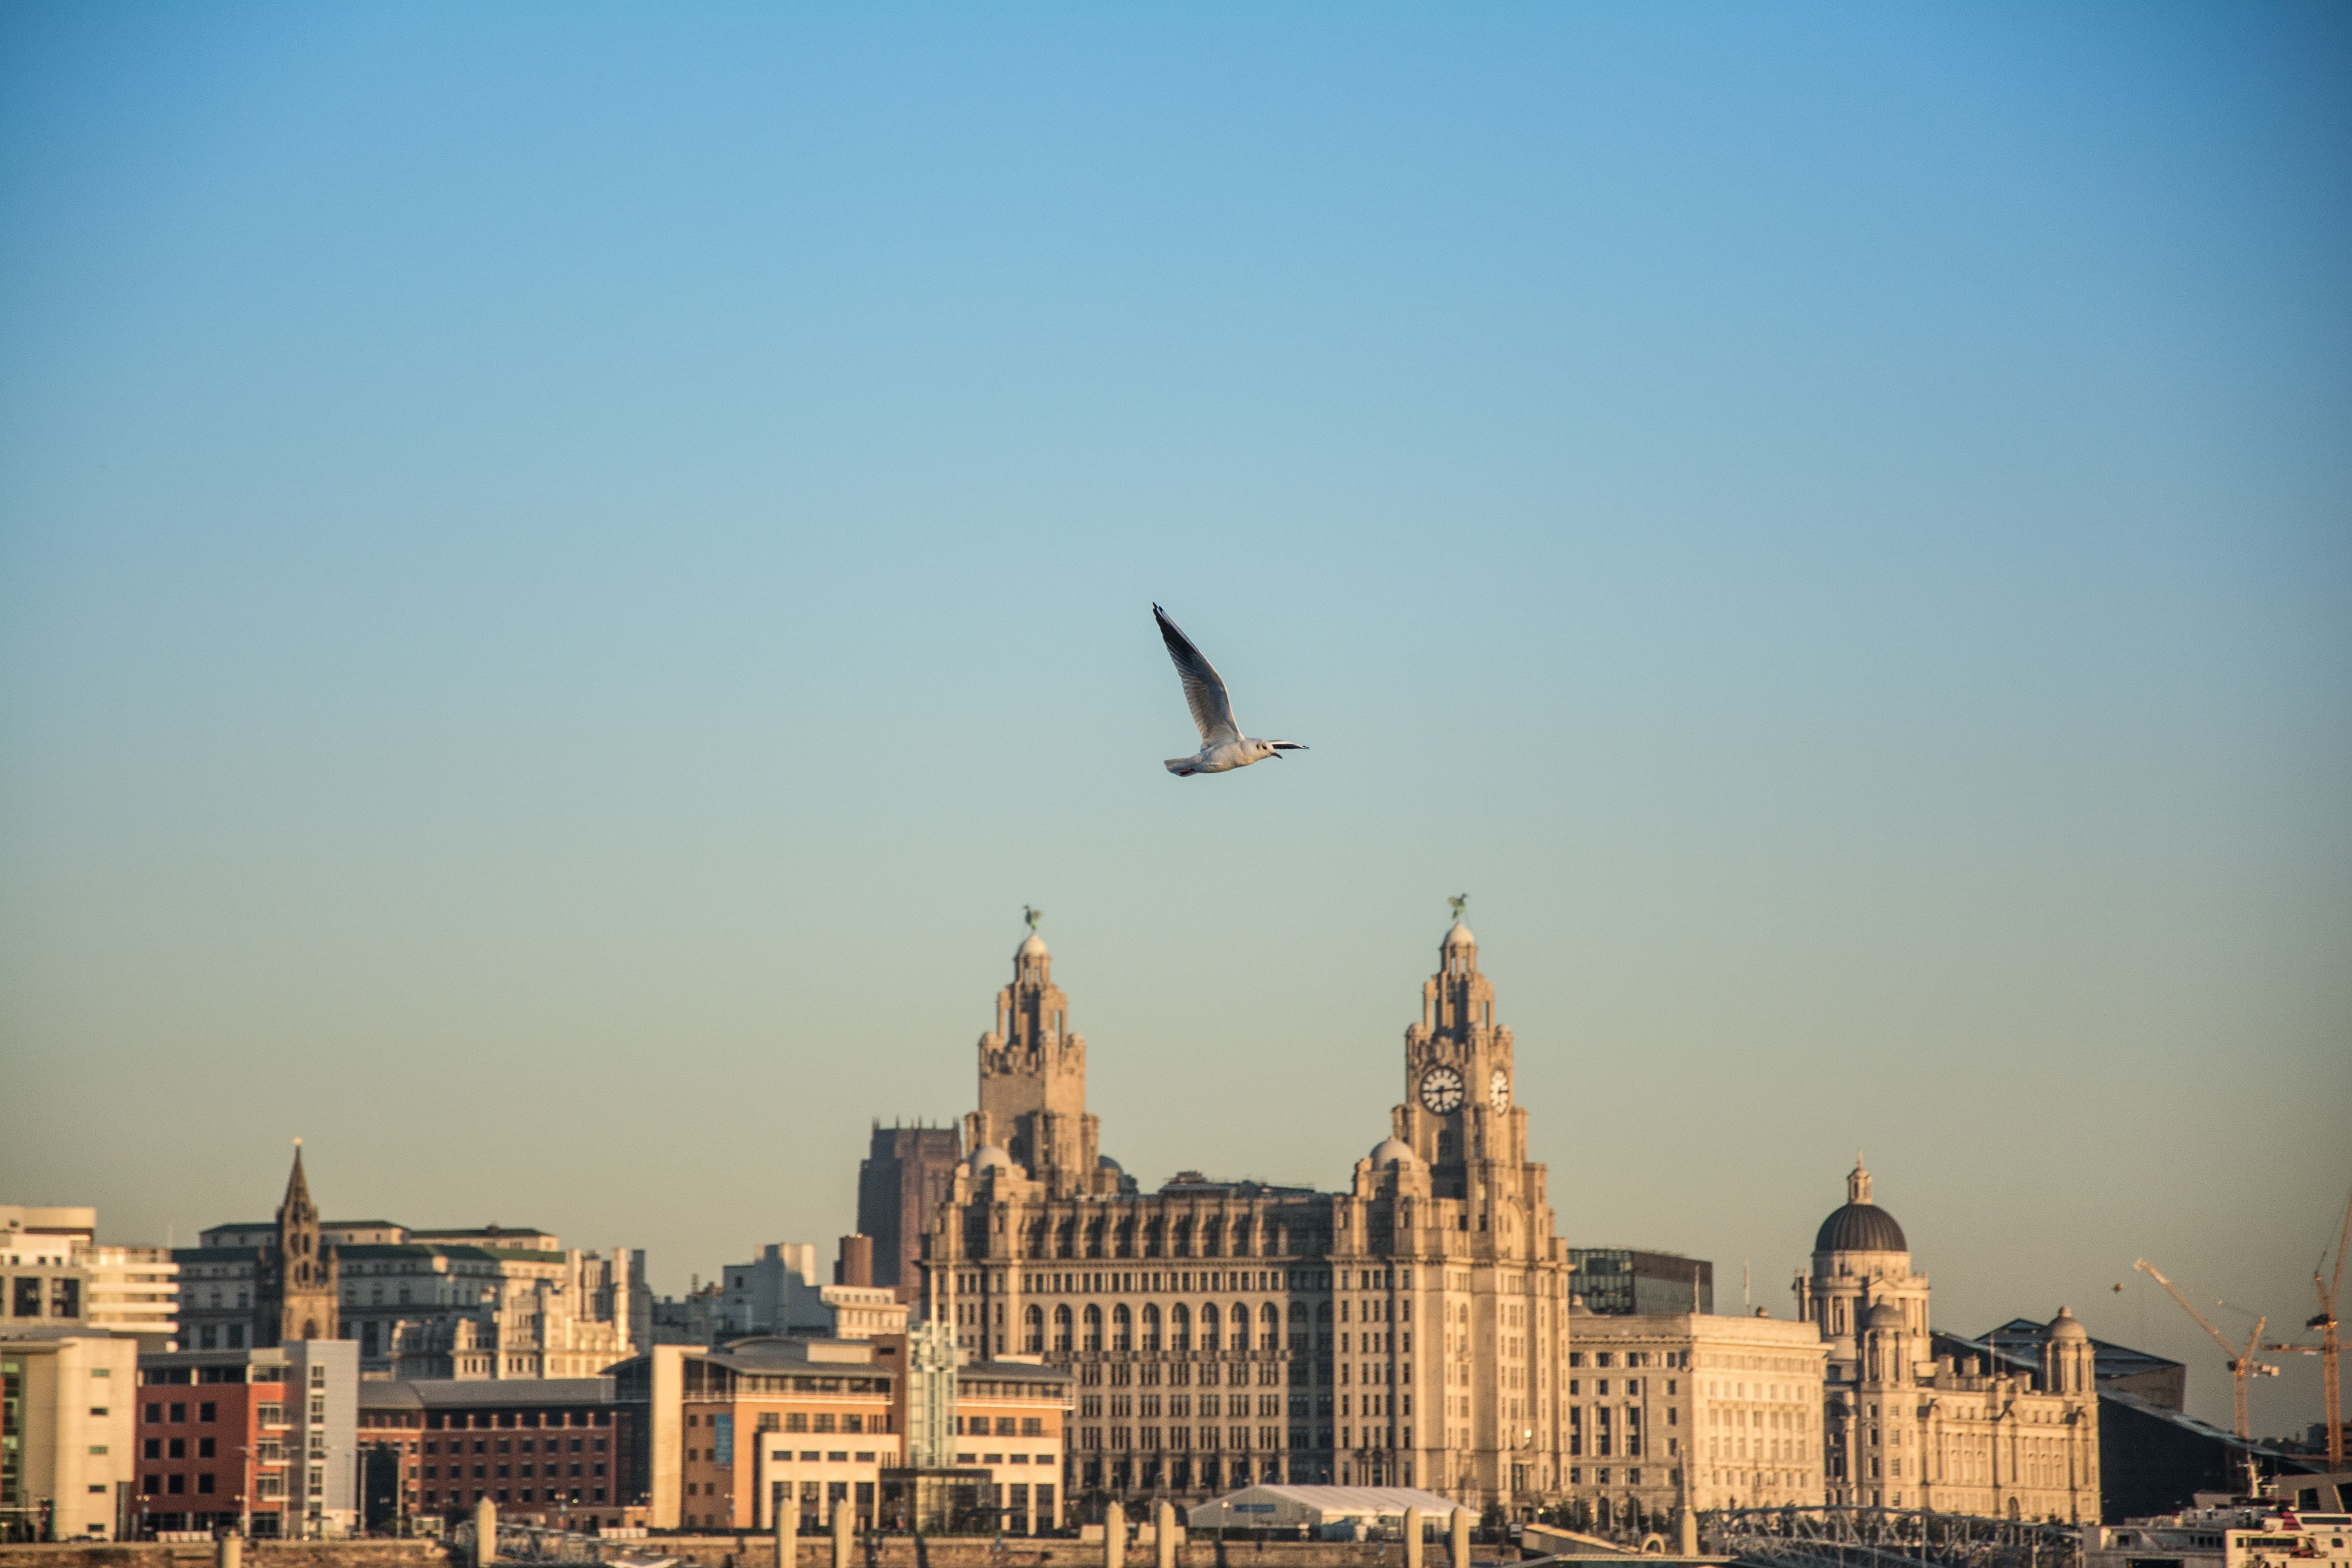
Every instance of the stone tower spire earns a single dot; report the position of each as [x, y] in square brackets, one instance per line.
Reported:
[1459, 1091]
[299, 1289]
[1032, 1080]
[1857, 1181]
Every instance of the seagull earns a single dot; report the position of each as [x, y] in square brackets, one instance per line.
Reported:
[1224, 747]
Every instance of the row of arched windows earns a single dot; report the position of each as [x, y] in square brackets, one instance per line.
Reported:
[1215, 1324]
[1159, 1237]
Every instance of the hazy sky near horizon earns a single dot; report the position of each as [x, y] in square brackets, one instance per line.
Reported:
[566, 571]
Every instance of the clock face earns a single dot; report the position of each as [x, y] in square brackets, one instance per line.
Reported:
[1441, 1090]
[1498, 1090]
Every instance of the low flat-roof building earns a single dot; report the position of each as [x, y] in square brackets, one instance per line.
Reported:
[1010, 1423]
[553, 1451]
[1288, 1507]
[708, 1415]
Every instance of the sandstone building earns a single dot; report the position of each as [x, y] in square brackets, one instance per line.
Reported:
[1907, 1428]
[1668, 1410]
[1222, 1334]
[486, 1302]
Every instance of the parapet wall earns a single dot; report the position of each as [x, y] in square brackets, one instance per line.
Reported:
[748, 1550]
[202, 1554]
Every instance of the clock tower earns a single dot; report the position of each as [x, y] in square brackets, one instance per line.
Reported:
[1459, 1109]
[1033, 1082]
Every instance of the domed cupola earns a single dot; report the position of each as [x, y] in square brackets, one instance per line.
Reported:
[1860, 1226]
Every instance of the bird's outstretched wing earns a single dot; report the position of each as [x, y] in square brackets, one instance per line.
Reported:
[1204, 688]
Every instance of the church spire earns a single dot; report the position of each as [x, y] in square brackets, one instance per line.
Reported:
[299, 1296]
[297, 1205]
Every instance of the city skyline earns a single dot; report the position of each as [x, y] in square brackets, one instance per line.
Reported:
[565, 576]
[2143, 1318]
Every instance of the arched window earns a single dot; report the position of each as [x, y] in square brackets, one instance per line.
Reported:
[1065, 1239]
[1122, 1328]
[1213, 1238]
[1151, 1327]
[1093, 1328]
[1033, 1329]
[1209, 1337]
[1094, 1238]
[1127, 1238]
[1180, 1327]
[1155, 1236]
[1061, 1328]
[1269, 1327]
[1240, 1238]
[1184, 1237]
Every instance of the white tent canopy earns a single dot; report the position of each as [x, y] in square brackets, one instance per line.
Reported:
[1288, 1507]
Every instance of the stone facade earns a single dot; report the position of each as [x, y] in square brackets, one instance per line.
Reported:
[487, 1302]
[1222, 1334]
[1669, 1409]
[1905, 1428]
[296, 1271]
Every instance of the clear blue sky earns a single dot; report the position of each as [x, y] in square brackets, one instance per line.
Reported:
[565, 571]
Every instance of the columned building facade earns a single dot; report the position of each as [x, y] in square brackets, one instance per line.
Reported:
[1905, 1428]
[1411, 1330]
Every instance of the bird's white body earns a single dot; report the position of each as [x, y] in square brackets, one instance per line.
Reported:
[1224, 747]
[1224, 757]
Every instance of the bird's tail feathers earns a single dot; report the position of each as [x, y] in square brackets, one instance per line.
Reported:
[1182, 767]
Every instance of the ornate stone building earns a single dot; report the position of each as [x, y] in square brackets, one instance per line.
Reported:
[1228, 1333]
[485, 1303]
[1905, 1428]
[296, 1271]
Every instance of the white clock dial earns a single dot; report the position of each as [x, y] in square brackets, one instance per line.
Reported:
[1441, 1090]
[1498, 1090]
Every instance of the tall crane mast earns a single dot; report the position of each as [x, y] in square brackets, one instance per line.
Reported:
[2326, 1324]
[2330, 1291]
[2242, 1365]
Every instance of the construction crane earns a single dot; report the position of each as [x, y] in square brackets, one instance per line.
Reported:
[2326, 1349]
[2242, 1365]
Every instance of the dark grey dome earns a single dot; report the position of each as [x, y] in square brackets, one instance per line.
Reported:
[1860, 1227]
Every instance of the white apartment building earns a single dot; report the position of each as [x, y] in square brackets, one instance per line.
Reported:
[74, 1399]
[77, 1279]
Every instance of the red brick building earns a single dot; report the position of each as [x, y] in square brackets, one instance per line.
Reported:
[213, 1448]
[556, 1450]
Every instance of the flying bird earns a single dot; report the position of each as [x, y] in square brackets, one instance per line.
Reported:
[1224, 747]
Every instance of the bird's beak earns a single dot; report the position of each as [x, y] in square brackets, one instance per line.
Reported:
[1275, 755]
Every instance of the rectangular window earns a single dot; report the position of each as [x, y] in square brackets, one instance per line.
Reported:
[65, 1297]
